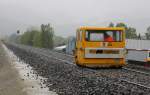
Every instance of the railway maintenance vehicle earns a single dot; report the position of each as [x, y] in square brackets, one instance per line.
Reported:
[100, 47]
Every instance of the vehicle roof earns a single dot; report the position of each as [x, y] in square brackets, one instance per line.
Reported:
[100, 28]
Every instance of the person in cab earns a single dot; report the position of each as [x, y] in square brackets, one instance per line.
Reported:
[107, 37]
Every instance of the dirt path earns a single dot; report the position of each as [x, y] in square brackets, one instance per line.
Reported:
[10, 82]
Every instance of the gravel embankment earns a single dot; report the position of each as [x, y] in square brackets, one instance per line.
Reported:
[68, 79]
[33, 85]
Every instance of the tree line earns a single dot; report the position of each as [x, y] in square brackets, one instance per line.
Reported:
[43, 37]
[147, 34]
[39, 38]
[131, 32]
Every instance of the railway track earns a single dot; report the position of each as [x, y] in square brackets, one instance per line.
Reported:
[125, 78]
[62, 57]
[125, 68]
[137, 71]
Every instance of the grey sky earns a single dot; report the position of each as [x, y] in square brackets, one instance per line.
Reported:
[67, 15]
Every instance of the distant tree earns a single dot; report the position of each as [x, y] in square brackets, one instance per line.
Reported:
[47, 34]
[37, 39]
[148, 29]
[147, 34]
[122, 25]
[130, 31]
[111, 25]
[27, 37]
[139, 36]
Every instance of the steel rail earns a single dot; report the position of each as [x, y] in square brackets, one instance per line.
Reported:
[133, 70]
[66, 61]
[134, 83]
[125, 68]
[64, 54]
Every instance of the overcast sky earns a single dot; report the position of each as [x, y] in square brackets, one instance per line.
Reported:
[67, 15]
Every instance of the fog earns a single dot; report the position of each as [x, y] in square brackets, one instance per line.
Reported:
[67, 15]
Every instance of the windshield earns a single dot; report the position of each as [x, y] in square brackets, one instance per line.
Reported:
[106, 36]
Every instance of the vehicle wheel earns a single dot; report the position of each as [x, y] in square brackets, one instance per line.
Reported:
[120, 67]
[79, 65]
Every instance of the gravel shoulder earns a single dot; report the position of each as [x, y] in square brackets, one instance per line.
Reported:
[10, 82]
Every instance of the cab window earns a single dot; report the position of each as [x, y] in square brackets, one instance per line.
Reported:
[96, 37]
[99, 35]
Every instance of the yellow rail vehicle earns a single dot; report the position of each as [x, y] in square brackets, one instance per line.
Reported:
[100, 47]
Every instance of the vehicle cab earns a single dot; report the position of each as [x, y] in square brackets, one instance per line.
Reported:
[100, 47]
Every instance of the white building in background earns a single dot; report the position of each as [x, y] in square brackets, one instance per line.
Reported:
[138, 50]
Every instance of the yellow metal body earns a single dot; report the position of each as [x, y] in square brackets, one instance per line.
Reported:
[148, 60]
[82, 44]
